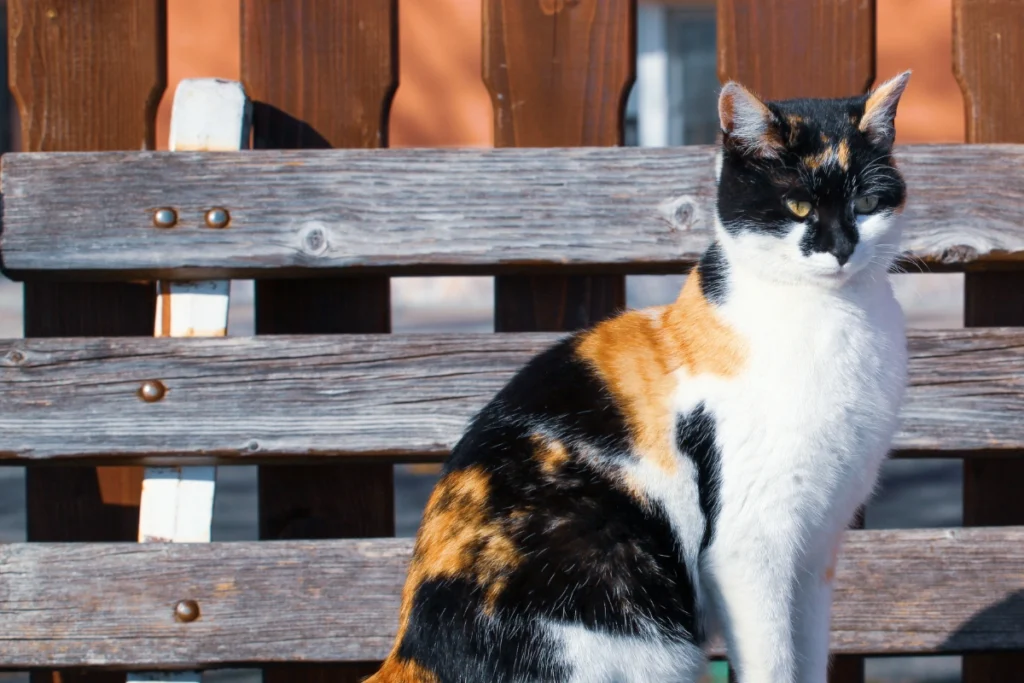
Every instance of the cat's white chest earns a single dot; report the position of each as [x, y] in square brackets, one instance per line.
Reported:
[805, 424]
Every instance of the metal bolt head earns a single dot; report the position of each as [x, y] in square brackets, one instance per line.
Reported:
[186, 611]
[152, 391]
[165, 218]
[217, 217]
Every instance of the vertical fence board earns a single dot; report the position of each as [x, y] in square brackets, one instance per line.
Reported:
[801, 48]
[321, 73]
[988, 59]
[559, 74]
[87, 75]
[798, 48]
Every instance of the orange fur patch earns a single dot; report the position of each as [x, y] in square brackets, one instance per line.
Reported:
[794, 127]
[699, 340]
[843, 154]
[550, 454]
[395, 670]
[637, 353]
[459, 539]
[839, 154]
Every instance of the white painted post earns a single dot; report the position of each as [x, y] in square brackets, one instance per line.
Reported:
[177, 502]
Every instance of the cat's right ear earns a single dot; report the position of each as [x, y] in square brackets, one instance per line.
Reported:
[747, 123]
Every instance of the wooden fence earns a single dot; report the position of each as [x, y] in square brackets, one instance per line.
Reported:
[325, 400]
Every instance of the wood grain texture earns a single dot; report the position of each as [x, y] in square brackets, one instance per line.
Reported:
[86, 75]
[322, 74]
[623, 210]
[558, 71]
[367, 397]
[907, 591]
[805, 48]
[785, 49]
[559, 74]
[988, 60]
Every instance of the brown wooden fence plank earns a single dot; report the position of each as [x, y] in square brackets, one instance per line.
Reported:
[87, 74]
[558, 74]
[904, 591]
[482, 211]
[383, 398]
[988, 59]
[800, 48]
[322, 74]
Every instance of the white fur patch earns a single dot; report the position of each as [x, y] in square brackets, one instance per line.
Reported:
[802, 431]
[602, 658]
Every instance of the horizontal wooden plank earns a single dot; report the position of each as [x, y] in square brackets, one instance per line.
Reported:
[306, 398]
[112, 605]
[409, 211]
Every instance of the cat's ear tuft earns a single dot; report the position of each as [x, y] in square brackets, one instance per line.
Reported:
[879, 120]
[747, 122]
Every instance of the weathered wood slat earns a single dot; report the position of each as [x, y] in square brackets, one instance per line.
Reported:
[112, 605]
[370, 396]
[314, 212]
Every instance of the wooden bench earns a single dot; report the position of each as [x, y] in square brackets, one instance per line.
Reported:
[377, 399]
[406, 398]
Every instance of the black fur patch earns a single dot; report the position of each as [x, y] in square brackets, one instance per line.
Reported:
[557, 392]
[695, 436]
[713, 270]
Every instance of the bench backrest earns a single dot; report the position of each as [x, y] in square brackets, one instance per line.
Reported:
[326, 401]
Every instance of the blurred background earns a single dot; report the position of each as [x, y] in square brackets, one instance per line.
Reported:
[442, 102]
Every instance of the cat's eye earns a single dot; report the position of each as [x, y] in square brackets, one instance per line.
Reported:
[798, 208]
[865, 204]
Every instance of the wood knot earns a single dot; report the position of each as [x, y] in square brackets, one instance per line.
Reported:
[681, 212]
[313, 238]
[14, 357]
[684, 213]
[959, 253]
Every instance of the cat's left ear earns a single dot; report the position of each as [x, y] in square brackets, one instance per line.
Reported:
[747, 123]
[879, 119]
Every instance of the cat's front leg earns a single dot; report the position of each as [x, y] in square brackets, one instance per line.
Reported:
[813, 607]
[754, 576]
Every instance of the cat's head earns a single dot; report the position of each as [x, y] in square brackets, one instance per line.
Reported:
[808, 190]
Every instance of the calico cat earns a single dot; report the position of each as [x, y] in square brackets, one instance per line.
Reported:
[683, 471]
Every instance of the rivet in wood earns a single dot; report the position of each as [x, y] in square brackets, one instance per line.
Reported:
[217, 217]
[165, 218]
[186, 611]
[152, 391]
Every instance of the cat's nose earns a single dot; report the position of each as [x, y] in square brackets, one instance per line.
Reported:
[836, 239]
[844, 253]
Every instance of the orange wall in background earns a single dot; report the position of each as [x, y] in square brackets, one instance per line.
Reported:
[918, 35]
[441, 100]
